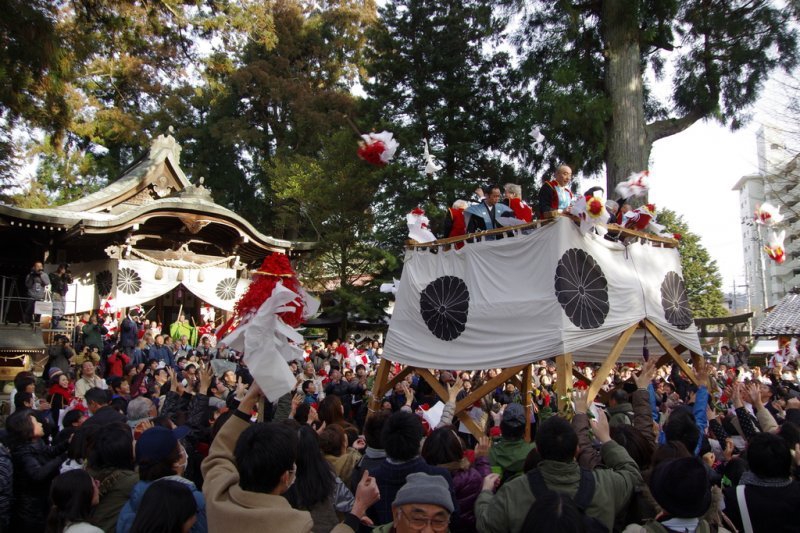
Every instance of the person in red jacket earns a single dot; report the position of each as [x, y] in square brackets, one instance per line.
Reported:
[455, 224]
[116, 363]
[514, 199]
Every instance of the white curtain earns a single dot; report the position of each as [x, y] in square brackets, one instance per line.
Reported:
[133, 282]
[517, 300]
[136, 283]
[221, 287]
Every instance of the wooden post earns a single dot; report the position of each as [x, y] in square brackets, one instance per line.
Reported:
[527, 399]
[564, 381]
[377, 387]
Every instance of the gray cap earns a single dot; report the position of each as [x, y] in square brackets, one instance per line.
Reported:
[424, 488]
[514, 414]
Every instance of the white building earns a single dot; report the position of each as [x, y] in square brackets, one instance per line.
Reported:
[777, 182]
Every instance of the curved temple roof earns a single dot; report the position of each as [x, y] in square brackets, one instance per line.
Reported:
[153, 186]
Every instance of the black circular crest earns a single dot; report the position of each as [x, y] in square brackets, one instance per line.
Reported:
[128, 281]
[675, 301]
[444, 306]
[582, 289]
[103, 281]
[226, 289]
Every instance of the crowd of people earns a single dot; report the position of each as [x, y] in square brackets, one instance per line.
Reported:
[153, 434]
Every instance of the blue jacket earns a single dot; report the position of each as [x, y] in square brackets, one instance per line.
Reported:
[481, 211]
[162, 353]
[128, 513]
[699, 411]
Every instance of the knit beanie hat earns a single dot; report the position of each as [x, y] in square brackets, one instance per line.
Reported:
[54, 373]
[424, 488]
[514, 415]
[681, 487]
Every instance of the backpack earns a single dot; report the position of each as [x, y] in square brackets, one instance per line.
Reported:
[582, 498]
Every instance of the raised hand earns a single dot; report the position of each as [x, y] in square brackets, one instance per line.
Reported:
[206, 375]
[367, 493]
[754, 395]
[737, 395]
[581, 397]
[645, 377]
[600, 427]
[482, 448]
[491, 482]
[454, 389]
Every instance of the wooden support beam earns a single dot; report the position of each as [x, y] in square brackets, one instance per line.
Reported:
[378, 387]
[664, 343]
[473, 428]
[437, 387]
[516, 381]
[397, 379]
[527, 398]
[608, 365]
[581, 377]
[487, 387]
[564, 381]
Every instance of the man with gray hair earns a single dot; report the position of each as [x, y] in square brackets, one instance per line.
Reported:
[140, 411]
[455, 221]
[423, 502]
[513, 199]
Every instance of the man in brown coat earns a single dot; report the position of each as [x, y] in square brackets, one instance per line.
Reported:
[247, 469]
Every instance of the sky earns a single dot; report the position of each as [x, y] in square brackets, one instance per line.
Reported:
[693, 173]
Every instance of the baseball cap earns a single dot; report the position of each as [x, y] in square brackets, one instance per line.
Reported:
[156, 444]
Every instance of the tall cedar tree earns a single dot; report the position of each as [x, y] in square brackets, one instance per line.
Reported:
[435, 72]
[585, 63]
[91, 75]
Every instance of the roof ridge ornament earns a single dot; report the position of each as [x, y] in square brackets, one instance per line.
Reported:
[197, 191]
[168, 143]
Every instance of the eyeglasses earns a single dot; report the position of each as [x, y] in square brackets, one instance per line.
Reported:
[418, 523]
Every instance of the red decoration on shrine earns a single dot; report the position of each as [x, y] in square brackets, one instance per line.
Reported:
[275, 268]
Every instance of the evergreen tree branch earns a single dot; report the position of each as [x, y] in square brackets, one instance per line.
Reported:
[664, 128]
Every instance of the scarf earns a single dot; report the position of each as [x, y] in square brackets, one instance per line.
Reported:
[65, 392]
[749, 478]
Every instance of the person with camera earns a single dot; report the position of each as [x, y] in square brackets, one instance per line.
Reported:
[93, 334]
[36, 283]
[129, 332]
[60, 281]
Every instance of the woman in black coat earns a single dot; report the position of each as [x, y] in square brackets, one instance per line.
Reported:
[35, 466]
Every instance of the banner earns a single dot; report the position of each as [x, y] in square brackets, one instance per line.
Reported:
[531, 297]
[136, 283]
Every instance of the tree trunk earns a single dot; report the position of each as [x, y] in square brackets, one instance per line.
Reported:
[628, 147]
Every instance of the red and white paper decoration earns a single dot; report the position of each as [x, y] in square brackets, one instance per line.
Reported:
[377, 148]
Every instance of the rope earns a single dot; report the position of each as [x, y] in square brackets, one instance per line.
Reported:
[172, 263]
[13, 358]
